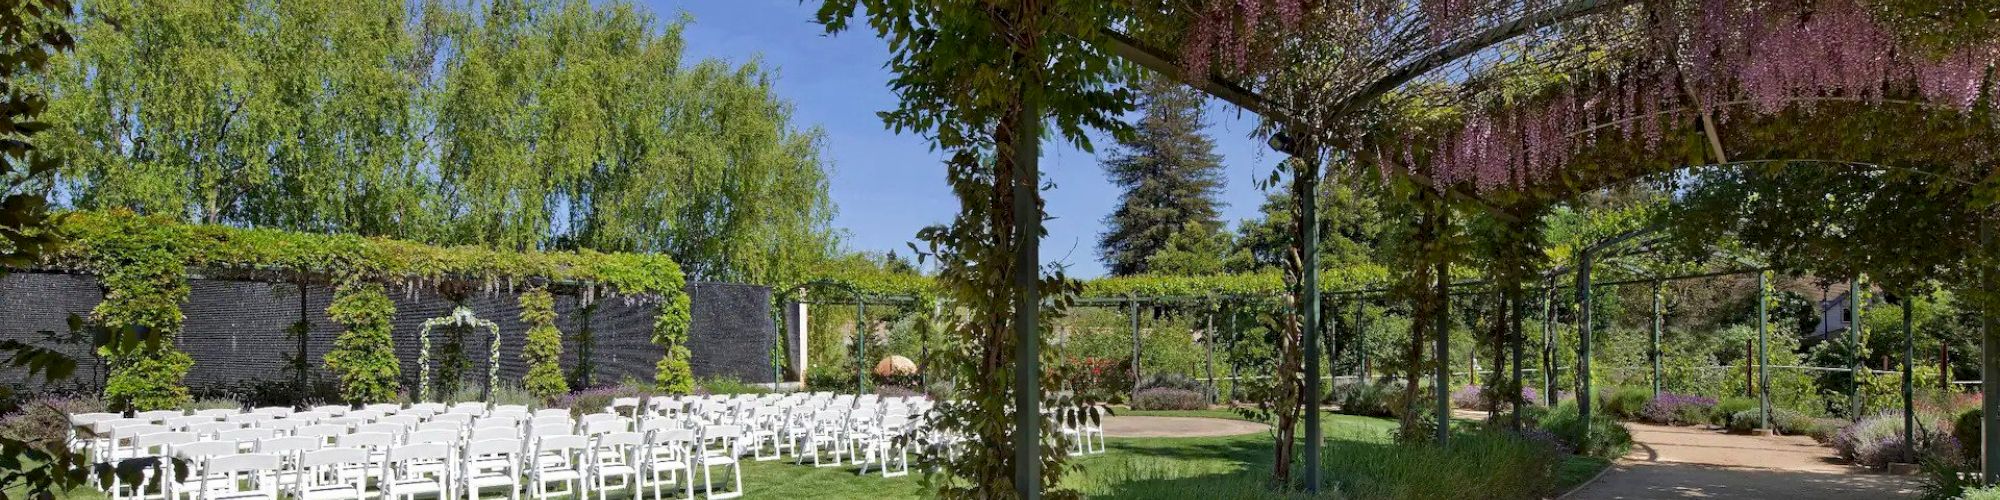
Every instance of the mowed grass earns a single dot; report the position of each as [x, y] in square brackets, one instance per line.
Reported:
[1208, 467]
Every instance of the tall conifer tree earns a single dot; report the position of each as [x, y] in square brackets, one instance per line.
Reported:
[1170, 175]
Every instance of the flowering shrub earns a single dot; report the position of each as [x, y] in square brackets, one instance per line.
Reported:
[1878, 440]
[1677, 409]
[44, 422]
[1473, 397]
[1102, 379]
[1166, 398]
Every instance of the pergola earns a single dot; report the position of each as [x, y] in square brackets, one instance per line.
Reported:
[1508, 106]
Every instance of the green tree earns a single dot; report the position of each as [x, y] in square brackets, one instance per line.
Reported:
[364, 356]
[542, 350]
[1352, 221]
[1196, 249]
[519, 125]
[1170, 176]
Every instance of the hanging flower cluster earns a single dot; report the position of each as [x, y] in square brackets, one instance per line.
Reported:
[1756, 55]
[1700, 58]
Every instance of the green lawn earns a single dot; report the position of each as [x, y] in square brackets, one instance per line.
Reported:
[1132, 468]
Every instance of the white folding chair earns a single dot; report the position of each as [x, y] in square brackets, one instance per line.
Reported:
[155, 445]
[81, 437]
[718, 448]
[384, 408]
[158, 416]
[216, 413]
[246, 438]
[288, 449]
[459, 418]
[491, 463]
[281, 426]
[485, 433]
[245, 419]
[322, 475]
[556, 460]
[402, 476]
[888, 439]
[552, 412]
[668, 452]
[376, 444]
[183, 423]
[244, 476]
[333, 410]
[275, 411]
[195, 455]
[612, 455]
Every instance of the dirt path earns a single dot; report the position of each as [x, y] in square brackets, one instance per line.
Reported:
[1689, 462]
[1135, 426]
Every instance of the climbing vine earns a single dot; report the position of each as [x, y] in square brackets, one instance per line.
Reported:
[364, 356]
[543, 350]
[141, 261]
[670, 331]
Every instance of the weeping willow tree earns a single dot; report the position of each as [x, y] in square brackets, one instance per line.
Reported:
[521, 125]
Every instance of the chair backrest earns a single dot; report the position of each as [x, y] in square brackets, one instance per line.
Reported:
[551, 412]
[658, 424]
[461, 418]
[485, 433]
[384, 408]
[80, 419]
[223, 473]
[496, 421]
[182, 423]
[158, 416]
[510, 408]
[281, 425]
[250, 435]
[517, 415]
[441, 426]
[384, 428]
[421, 412]
[276, 411]
[249, 418]
[159, 443]
[597, 417]
[320, 430]
[289, 445]
[335, 410]
[602, 426]
[562, 447]
[310, 416]
[203, 449]
[406, 420]
[217, 413]
[432, 436]
[416, 452]
[366, 440]
[333, 456]
[550, 430]
[132, 431]
[493, 448]
[616, 447]
[364, 415]
[468, 408]
[720, 440]
[562, 419]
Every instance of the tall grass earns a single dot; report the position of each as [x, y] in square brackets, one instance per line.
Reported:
[1483, 465]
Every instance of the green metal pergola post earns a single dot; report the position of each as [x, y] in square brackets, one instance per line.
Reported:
[1549, 344]
[1856, 304]
[1441, 378]
[1909, 404]
[1308, 200]
[1027, 237]
[1583, 394]
[1653, 352]
[1763, 358]
[1208, 343]
[860, 345]
[1134, 304]
[1989, 361]
[1361, 336]
[1518, 338]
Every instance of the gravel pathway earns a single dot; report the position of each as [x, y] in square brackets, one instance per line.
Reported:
[1137, 426]
[1689, 462]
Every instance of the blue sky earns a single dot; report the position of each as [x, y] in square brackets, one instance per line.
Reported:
[889, 185]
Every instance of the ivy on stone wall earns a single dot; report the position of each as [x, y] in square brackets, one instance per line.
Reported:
[543, 350]
[364, 356]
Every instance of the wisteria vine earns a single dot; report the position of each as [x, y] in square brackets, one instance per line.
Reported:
[1700, 58]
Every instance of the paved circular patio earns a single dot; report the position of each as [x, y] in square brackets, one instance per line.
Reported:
[1146, 427]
